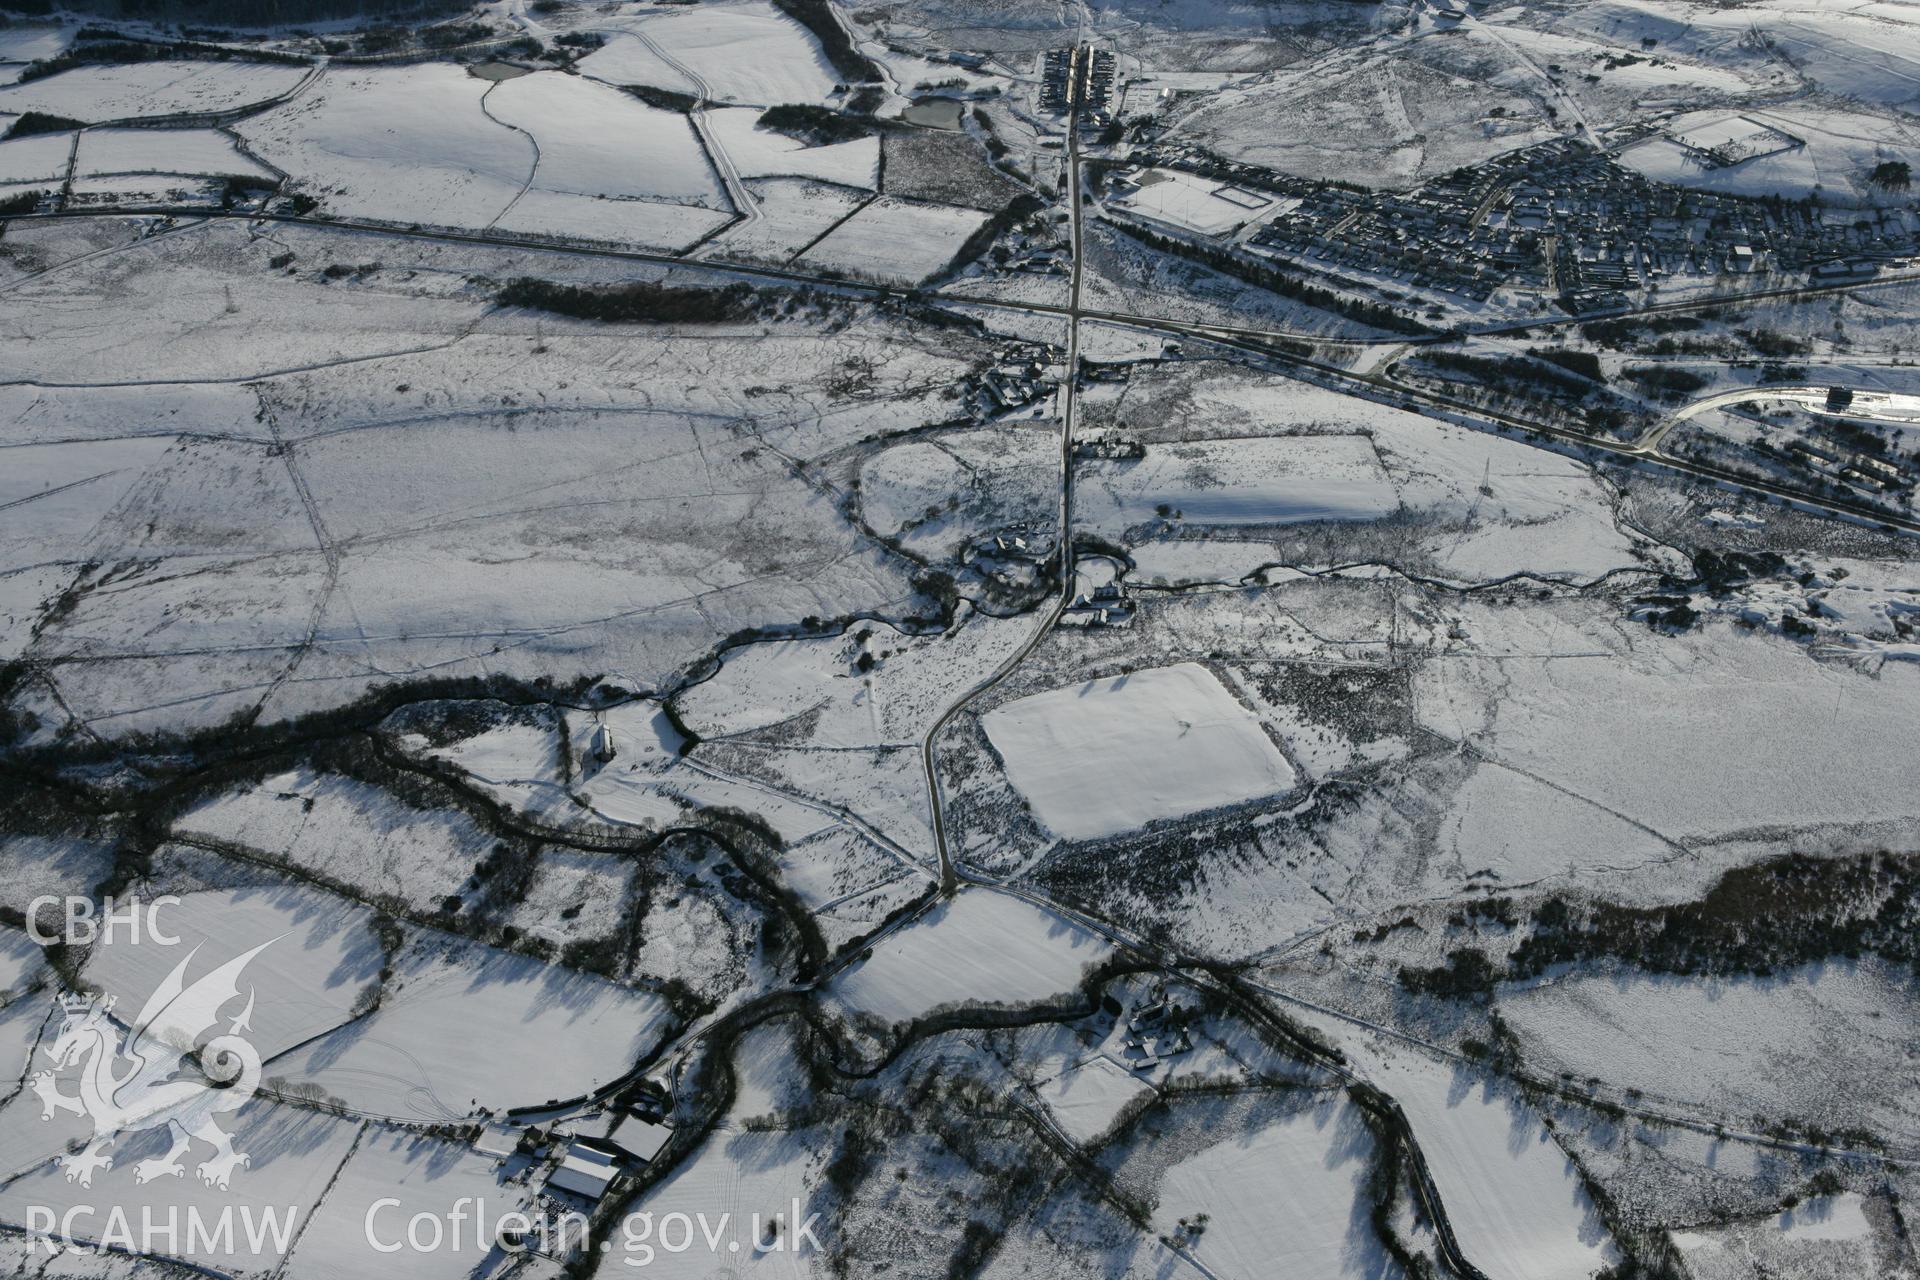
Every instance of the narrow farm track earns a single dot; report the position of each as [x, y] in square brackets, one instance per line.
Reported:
[330, 554]
[533, 170]
[743, 201]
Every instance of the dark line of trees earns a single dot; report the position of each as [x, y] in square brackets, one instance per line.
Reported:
[1584, 363]
[96, 46]
[1757, 919]
[665, 99]
[1506, 370]
[1760, 919]
[638, 303]
[817, 17]
[1662, 382]
[1284, 283]
[815, 125]
[41, 122]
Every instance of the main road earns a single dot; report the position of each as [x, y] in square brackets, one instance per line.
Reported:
[1063, 549]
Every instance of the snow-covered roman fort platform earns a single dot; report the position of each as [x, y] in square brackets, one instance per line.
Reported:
[1107, 756]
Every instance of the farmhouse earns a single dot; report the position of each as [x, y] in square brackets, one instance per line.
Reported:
[587, 1168]
[1105, 606]
[1155, 1031]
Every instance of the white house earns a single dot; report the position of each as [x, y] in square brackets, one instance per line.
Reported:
[602, 744]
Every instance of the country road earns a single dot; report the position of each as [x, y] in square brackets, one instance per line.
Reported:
[1064, 549]
[1649, 444]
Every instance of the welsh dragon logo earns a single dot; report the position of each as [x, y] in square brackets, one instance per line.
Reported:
[160, 1073]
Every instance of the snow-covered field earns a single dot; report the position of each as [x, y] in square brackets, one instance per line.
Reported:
[1515, 1199]
[975, 482]
[1086, 1098]
[1616, 78]
[292, 1158]
[1289, 1198]
[40, 157]
[597, 141]
[762, 153]
[818, 683]
[1823, 1238]
[1823, 1042]
[743, 51]
[1522, 829]
[35, 413]
[643, 224]
[33, 865]
[801, 790]
[159, 308]
[79, 481]
[625, 435]
[1255, 481]
[1193, 561]
[1110, 755]
[184, 151]
[144, 191]
[575, 896]
[1698, 707]
[1352, 111]
[29, 41]
[320, 957]
[1870, 52]
[390, 1177]
[20, 962]
[398, 144]
[895, 240]
[858, 914]
[547, 1033]
[793, 214]
[980, 946]
[95, 95]
[23, 970]
[348, 831]
[324, 574]
[1484, 507]
[1507, 508]
[508, 755]
[1830, 151]
[743, 1178]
